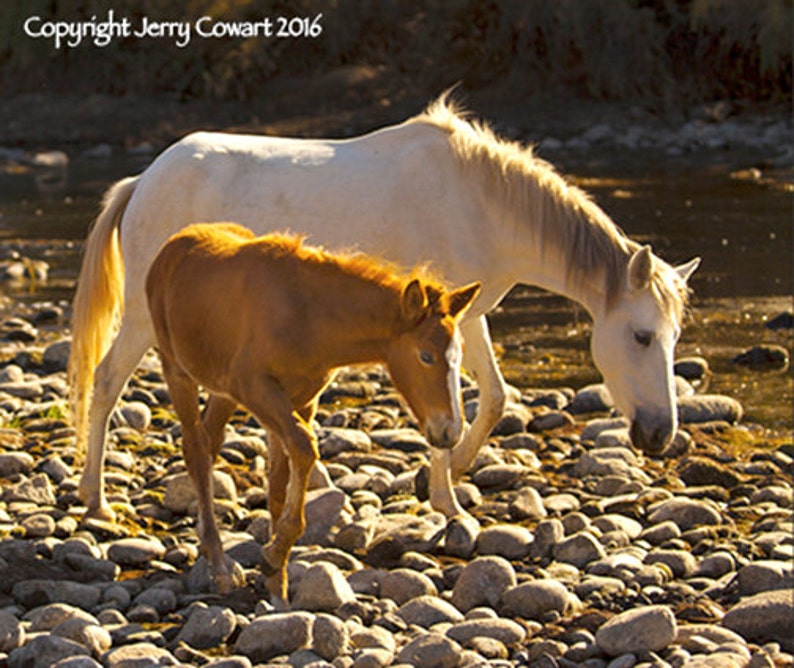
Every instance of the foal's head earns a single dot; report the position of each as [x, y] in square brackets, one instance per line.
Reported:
[424, 360]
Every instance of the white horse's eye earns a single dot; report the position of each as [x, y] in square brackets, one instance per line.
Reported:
[643, 338]
[427, 357]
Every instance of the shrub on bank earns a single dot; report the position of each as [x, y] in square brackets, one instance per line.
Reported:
[617, 49]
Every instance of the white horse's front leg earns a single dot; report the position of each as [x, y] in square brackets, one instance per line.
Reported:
[442, 495]
[479, 359]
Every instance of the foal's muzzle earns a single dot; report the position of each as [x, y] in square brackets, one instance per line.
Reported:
[651, 435]
[442, 434]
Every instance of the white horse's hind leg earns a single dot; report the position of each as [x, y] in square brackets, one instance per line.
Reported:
[111, 375]
[478, 358]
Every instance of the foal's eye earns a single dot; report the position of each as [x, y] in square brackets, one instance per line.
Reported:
[427, 357]
[643, 338]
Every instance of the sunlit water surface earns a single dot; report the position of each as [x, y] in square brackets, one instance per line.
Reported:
[738, 221]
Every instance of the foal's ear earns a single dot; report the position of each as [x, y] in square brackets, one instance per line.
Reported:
[686, 270]
[640, 268]
[461, 299]
[414, 301]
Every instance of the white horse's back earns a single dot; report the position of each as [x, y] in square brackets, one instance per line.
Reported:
[372, 193]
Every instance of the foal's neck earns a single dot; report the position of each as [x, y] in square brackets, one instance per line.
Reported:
[364, 322]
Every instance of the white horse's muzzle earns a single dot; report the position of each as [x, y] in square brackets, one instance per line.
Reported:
[651, 433]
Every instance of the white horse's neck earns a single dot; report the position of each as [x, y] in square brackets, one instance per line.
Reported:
[549, 270]
[563, 242]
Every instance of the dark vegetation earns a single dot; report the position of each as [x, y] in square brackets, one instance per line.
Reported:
[666, 52]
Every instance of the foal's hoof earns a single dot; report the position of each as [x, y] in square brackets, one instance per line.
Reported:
[230, 578]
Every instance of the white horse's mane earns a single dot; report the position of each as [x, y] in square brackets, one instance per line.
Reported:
[563, 216]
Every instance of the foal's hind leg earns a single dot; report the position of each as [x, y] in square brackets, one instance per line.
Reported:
[277, 478]
[278, 469]
[214, 418]
[267, 401]
[197, 449]
[227, 573]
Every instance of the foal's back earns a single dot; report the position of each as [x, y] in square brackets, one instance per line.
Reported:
[218, 296]
[225, 303]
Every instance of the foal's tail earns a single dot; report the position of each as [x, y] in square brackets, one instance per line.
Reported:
[98, 303]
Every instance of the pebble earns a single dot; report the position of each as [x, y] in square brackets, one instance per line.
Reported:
[591, 399]
[207, 626]
[403, 584]
[15, 463]
[506, 540]
[504, 630]
[533, 600]
[765, 575]
[483, 581]
[431, 650]
[138, 654]
[708, 408]
[685, 513]
[12, 633]
[763, 358]
[765, 617]
[691, 368]
[527, 505]
[180, 495]
[323, 587]
[649, 628]
[330, 637]
[45, 651]
[271, 635]
[135, 551]
[427, 611]
[460, 536]
[577, 551]
[783, 320]
[36, 490]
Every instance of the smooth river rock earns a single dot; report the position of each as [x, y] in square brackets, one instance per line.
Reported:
[650, 628]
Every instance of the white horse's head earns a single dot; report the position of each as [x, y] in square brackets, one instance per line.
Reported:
[633, 342]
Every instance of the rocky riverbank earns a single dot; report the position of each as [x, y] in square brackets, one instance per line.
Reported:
[585, 553]
[45, 132]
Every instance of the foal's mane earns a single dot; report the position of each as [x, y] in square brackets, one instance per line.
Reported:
[562, 216]
[352, 263]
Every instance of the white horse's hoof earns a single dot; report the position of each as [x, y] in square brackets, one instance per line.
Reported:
[102, 512]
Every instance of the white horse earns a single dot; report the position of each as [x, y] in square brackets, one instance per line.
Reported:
[436, 188]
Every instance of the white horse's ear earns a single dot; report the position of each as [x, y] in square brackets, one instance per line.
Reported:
[461, 299]
[640, 268]
[686, 270]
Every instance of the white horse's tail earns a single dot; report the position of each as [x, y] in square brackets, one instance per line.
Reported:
[98, 303]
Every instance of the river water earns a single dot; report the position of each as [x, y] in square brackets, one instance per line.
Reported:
[738, 221]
